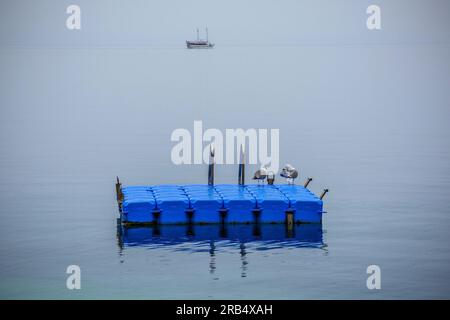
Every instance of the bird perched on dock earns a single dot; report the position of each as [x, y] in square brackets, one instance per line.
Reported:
[260, 174]
[290, 173]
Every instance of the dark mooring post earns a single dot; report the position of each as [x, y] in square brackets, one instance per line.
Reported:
[256, 216]
[241, 178]
[156, 217]
[289, 218]
[118, 186]
[323, 193]
[190, 216]
[307, 182]
[289, 222]
[190, 221]
[223, 215]
[119, 194]
[211, 166]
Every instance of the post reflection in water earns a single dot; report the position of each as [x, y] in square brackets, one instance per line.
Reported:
[243, 260]
[212, 262]
[214, 238]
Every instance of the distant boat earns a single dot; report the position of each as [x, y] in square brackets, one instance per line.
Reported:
[200, 44]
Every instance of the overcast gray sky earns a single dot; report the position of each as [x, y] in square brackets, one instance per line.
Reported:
[231, 22]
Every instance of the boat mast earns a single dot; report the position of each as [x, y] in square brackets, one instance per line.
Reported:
[198, 38]
[207, 34]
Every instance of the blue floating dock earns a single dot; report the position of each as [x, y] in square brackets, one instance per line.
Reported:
[222, 203]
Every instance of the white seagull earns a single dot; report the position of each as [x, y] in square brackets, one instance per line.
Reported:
[260, 174]
[290, 173]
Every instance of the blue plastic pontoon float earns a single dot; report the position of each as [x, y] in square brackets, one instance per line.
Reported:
[222, 203]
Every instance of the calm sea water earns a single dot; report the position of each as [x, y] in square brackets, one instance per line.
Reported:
[368, 122]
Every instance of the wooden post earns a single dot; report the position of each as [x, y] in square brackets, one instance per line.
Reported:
[119, 194]
[256, 215]
[290, 222]
[190, 215]
[156, 217]
[118, 187]
[223, 215]
[290, 218]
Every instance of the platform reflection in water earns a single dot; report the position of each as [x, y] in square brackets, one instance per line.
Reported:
[260, 237]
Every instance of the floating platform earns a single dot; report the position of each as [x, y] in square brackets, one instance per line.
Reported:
[221, 203]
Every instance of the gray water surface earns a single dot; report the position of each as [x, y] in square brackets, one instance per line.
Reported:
[369, 122]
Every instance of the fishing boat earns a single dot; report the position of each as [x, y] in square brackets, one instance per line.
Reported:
[200, 44]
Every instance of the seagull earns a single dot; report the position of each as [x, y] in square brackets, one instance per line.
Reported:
[260, 174]
[290, 173]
